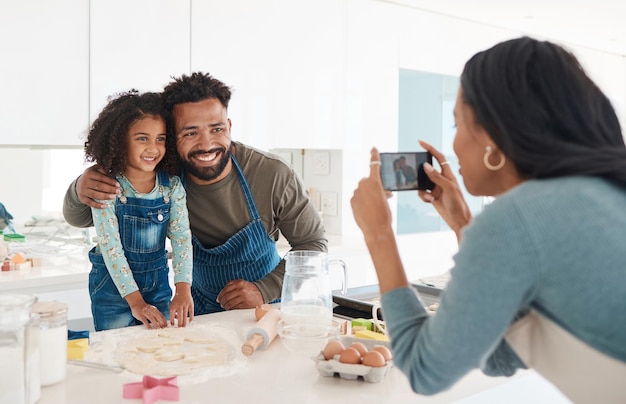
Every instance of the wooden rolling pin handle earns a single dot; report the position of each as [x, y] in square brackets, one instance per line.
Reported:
[253, 343]
[263, 333]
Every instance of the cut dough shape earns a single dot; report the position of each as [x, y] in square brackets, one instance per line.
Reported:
[149, 348]
[173, 342]
[169, 356]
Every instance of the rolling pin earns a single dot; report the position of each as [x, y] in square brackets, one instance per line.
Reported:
[262, 333]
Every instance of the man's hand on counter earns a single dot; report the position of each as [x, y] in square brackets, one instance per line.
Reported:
[240, 294]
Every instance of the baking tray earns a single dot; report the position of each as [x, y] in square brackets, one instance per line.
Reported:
[358, 302]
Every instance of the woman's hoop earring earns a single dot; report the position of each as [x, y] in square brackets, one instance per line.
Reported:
[488, 151]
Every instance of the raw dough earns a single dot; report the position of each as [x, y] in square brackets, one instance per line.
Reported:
[172, 351]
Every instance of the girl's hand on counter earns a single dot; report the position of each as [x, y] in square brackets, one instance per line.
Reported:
[148, 314]
[181, 307]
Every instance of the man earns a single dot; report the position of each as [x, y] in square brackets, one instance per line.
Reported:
[240, 200]
[409, 172]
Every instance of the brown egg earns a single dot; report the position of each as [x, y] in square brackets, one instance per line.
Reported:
[383, 350]
[359, 346]
[351, 356]
[374, 359]
[332, 348]
[259, 311]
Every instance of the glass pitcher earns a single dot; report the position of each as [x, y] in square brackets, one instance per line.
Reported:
[306, 297]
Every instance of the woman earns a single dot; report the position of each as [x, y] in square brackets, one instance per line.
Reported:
[534, 131]
[399, 175]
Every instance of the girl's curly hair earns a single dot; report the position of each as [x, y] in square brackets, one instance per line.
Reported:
[106, 142]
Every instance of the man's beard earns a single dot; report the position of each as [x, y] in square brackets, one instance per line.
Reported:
[206, 173]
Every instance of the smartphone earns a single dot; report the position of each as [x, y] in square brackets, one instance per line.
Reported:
[404, 171]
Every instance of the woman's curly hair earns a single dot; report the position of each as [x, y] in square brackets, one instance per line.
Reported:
[107, 143]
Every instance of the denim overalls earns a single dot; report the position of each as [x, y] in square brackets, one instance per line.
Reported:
[249, 254]
[143, 228]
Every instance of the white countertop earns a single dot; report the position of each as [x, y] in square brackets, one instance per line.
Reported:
[64, 264]
[45, 278]
[275, 375]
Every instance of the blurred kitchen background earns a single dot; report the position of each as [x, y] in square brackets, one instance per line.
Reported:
[318, 82]
[323, 80]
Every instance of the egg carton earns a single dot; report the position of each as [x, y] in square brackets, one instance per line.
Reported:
[332, 367]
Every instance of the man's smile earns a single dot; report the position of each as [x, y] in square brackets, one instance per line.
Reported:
[206, 156]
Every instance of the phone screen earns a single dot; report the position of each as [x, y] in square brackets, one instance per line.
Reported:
[404, 171]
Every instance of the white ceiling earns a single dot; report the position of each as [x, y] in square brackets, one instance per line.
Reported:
[595, 24]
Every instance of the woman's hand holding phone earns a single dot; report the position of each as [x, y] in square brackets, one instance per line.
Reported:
[446, 195]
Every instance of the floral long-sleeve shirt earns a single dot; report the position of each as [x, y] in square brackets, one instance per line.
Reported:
[110, 245]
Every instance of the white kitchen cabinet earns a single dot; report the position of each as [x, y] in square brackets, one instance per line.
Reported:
[136, 44]
[284, 60]
[44, 74]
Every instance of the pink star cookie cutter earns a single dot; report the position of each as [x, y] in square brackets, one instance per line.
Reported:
[151, 389]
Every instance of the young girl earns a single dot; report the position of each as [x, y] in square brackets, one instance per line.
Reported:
[129, 283]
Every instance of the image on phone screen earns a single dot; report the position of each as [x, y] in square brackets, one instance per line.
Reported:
[404, 171]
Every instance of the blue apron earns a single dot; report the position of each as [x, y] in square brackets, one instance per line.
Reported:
[250, 254]
[143, 229]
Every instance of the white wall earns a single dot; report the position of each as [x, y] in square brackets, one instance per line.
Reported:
[320, 74]
[381, 38]
[44, 74]
[135, 44]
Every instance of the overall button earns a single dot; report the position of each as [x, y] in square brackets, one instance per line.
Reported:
[160, 217]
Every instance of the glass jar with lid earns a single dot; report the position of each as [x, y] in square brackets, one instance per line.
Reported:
[53, 341]
[15, 315]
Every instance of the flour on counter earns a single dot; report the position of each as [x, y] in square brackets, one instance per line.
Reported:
[195, 353]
